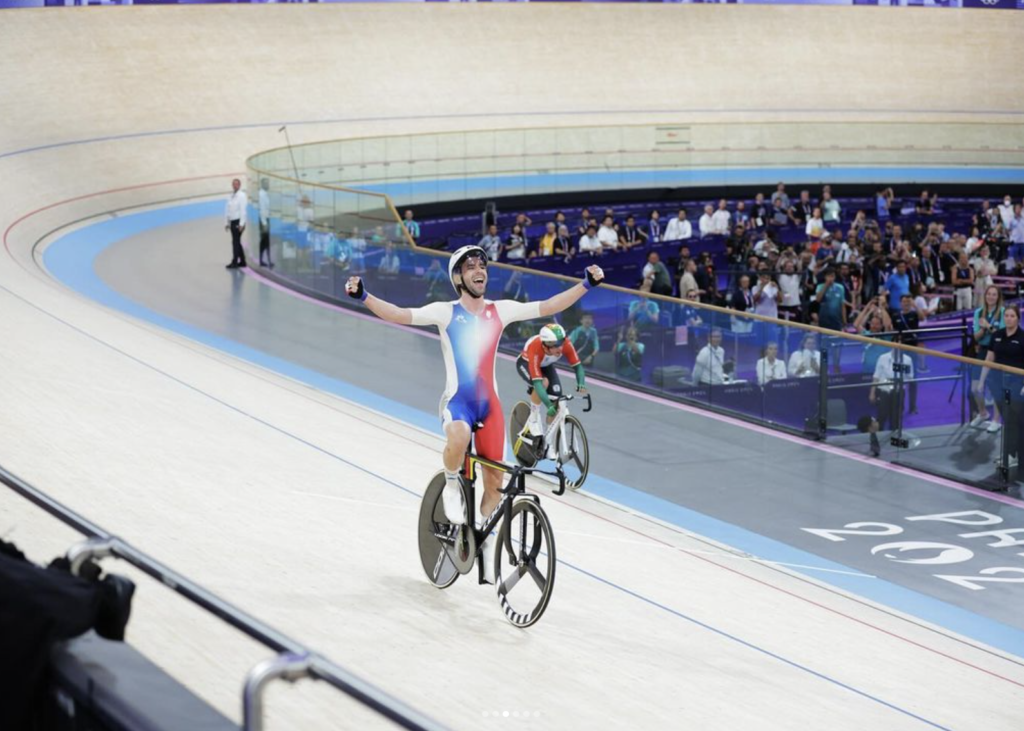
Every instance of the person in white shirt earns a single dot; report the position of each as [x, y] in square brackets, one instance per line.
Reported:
[721, 221]
[234, 221]
[589, 243]
[264, 201]
[706, 223]
[709, 367]
[1006, 211]
[815, 227]
[678, 228]
[883, 391]
[607, 235]
[831, 211]
[789, 287]
[770, 368]
[806, 362]
[984, 270]
[389, 263]
[767, 295]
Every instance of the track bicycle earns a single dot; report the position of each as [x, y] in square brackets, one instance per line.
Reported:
[525, 548]
[572, 451]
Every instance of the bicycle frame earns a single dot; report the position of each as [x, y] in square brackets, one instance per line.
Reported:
[559, 423]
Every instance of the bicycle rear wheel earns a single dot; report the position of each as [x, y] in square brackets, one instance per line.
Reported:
[575, 454]
[522, 448]
[524, 563]
[435, 537]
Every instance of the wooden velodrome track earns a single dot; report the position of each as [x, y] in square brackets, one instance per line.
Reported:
[106, 108]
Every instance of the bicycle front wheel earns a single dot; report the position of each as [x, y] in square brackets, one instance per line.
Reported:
[574, 454]
[436, 537]
[524, 563]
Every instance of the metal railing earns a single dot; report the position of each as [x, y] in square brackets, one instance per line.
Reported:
[293, 660]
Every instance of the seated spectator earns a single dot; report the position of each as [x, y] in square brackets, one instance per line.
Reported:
[644, 311]
[766, 294]
[831, 211]
[607, 234]
[689, 315]
[655, 271]
[806, 362]
[709, 368]
[389, 263]
[584, 338]
[630, 235]
[803, 209]
[815, 226]
[563, 244]
[546, 245]
[515, 249]
[688, 282]
[781, 196]
[629, 355]
[338, 252]
[678, 228]
[705, 225]
[769, 368]
[721, 220]
[589, 243]
[654, 227]
[491, 243]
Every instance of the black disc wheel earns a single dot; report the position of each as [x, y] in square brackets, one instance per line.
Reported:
[574, 454]
[523, 447]
[524, 564]
[437, 537]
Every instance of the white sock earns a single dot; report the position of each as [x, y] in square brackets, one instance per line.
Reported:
[451, 497]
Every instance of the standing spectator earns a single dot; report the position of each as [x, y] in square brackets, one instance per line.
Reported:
[437, 282]
[815, 226]
[984, 270]
[546, 246]
[720, 220]
[831, 211]
[769, 368]
[678, 228]
[907, 321]
[1006, 212]
[803, 209]
[589, 243]
[584, 222]
[781, 196]
[742, 301]
[657, 273]
[630, 235]
[629, 355]
[831, 299]
[806, 362]
[988, 319]
[898, 284]
[607, 234]
[584, 338]
[515, 249]
[1016, 230]
[963, 283]
[874, 322]
[234, 221]
[654, 227]
[707, 280]
[884, 392]
[389, 263]
[264, 203]
[357, 245]
[925, 204]
[688, 282]
[766, 294]
[522, 220]
[883, 201]
[706, 225]
[760, 212]
[741, 217]
[1007, 348]
[491, 243]
[789, 289]
[644, 311]
[563, 244]
[411, 226]
[929, 270]
[709, 368]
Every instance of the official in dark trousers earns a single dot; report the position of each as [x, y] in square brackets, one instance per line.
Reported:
[234, 221]
[1007, 348]
[265, 223]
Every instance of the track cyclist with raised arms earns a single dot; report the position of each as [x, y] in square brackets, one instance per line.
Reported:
[470, 329]
[536, 366]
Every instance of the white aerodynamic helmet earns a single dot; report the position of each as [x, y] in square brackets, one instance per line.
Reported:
[456, 260]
